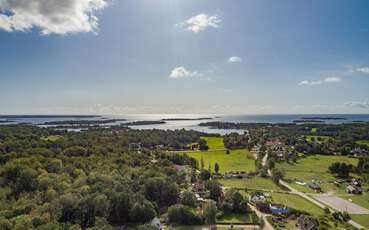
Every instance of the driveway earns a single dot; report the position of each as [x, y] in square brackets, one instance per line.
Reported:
[340, 204]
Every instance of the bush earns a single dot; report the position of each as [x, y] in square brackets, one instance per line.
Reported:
[183, 215]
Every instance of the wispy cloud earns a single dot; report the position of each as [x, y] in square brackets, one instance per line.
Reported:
[319, 82]
[51, 17]
[181, 72]
[332, 79]
[363, 70]
[234, 59]
[200, 22]
[306, 82]
[358, 104]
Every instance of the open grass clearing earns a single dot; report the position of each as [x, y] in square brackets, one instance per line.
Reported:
[255, 183]
[361, 219]
[52, 138]
[315, 168]
[363, 142]
[237, 218]
[214, 142]
[237, 160]
[296, 202]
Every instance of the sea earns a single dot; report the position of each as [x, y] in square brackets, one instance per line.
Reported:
[192, 122]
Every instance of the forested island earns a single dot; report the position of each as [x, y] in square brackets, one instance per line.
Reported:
[83, 122]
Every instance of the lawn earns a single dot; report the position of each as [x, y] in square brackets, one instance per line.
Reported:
[313, 168]
[361, 219]
[235, 218]
[363, 142]
[257, 183]
[52, 138]
[237, 160]
[296, 202]
[214, 142]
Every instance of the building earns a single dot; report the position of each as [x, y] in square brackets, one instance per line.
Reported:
[352, 189]
[307, 223]
[313, 185]
[258, 198]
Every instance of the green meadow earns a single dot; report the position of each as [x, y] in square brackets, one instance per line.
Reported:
[313, 167]
[363, 142]
[254, 183]
[237, 160]
[214, 142]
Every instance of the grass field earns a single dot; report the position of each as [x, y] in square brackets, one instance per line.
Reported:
[257, 183]
[313, 168]
[52, 138]
[361, 219]
[296, 202]
[363, 142]
[236, 218]
[237, 160]
[214, 142]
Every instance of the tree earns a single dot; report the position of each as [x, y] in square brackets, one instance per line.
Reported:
[203, 145]
[210, 212]
[180, 214]
[277, 175]
[205, 175]
[142, 212]
[202, 164]
[216, 167]
[237, 199]
[188, 198]
[228, 152]
[215, 190]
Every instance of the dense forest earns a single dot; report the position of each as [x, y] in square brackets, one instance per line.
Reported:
[98, 179]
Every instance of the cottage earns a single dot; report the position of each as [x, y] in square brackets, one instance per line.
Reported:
[354, 189]
[307, 223]
[313, 185]
[258, 198]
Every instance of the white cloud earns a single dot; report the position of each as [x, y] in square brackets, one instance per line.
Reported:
[201, 22]
[332, 79]
[364, 70]
[310, 82]
[50, 16]
[181, 72]
[234, 60]
[358, 104]
[319, 82]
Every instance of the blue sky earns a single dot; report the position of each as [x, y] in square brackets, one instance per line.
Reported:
[184, 56]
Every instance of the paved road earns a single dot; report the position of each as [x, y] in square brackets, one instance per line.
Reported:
[341, 204]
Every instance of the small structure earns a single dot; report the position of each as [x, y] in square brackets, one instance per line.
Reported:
[258, 198]
[198, 187]
[263, 207]
[313, 185]
[354, 189]
[156, 223]
[307, 223]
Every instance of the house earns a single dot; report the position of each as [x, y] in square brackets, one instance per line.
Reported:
[156, 223]
[307, 223]
[313, 185]
[354, 189]
[258, 198]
